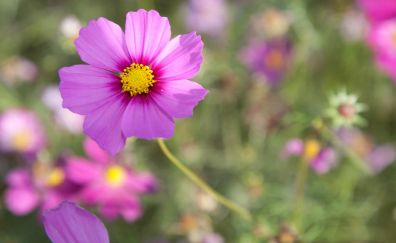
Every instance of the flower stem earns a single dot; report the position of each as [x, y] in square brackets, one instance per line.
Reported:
[203, 185]
[299, 184]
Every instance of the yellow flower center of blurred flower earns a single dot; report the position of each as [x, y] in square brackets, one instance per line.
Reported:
[311, 149]
[115, 175]
[274, 60]
[55, 177]
[137, 79]
[22, 140]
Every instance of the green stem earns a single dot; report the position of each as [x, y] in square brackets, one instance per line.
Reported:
[203, 185]
[299, 191]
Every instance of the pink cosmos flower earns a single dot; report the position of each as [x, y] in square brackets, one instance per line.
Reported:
[21, 131]
[268, 59]
[321, 159]
[378, 10]
[114, 187]
[134, 83]
[37, 187]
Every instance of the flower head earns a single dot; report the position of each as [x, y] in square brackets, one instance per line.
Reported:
[207, 16]
[344, 110]
[69, 223]
[40, 186]
[268, 59]
[321, 159]
[21, 131]
[378, 10]
[134, 83]
[18, 70]
[112, 186]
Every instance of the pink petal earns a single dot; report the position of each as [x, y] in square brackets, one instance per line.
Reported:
[82, 171]
[146, 34]
[71, 224]
[21, 201]
[104, 125]
[18, 178]
[102, 44]
[144, 119]
[178, 98]
[180, 59]
[85, 88]
[93, 150]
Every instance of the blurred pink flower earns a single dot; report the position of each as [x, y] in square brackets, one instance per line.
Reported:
[18, 69]
[268, 59]
[207, 16]
[378, 10]
[21, 131]
[376, 157]
[37, 187]
[134, 83]
[321, 159]
[68, 120]
[112, 186]
[382, 37]
[353, 25]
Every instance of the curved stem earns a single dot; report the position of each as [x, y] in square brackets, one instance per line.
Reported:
[203, 185]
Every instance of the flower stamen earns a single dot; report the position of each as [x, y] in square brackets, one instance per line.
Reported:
[137, 79]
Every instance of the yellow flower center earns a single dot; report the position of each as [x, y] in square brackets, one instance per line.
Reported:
[274, 60]
[115, 175]
[311, 149]
[137, 79]
[22, 140]
[55, 177]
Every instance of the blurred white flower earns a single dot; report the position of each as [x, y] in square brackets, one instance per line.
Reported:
[70, 26]
[17, 70]
[353, 26]
[271, 23]
[66, 119]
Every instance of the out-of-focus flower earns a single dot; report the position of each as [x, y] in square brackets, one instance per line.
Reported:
[272, 23]
[207, 16]
[321, 159]
[69, 223]
[205, 202]
[382, 37]
[353, 26]
[268, 59]
[68, 120]
[344, 110]
[41, 187]
[378, 10]
[376, 157]
[70, 26]
[21, 131]
[285, 235]
[151, 88]
[213, 238]
[17, 70]
[112, 186]
[198, 229]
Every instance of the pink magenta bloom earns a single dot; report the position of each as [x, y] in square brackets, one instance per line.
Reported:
[383, 37]
[114, 187]
[40, 187]
[69, 223]
[268, 59]
[134, 83]
[21, 131]
[378, 10]
[321, 159]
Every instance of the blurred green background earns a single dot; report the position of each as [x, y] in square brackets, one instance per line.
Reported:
[237, 133]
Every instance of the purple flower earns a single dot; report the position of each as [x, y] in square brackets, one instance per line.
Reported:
[134, 83]
[21, 131]
[69, 223]
[207, 16]
[321, 159]
[268, 59]
[37, 187]
[376, 157]
[113, 186]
